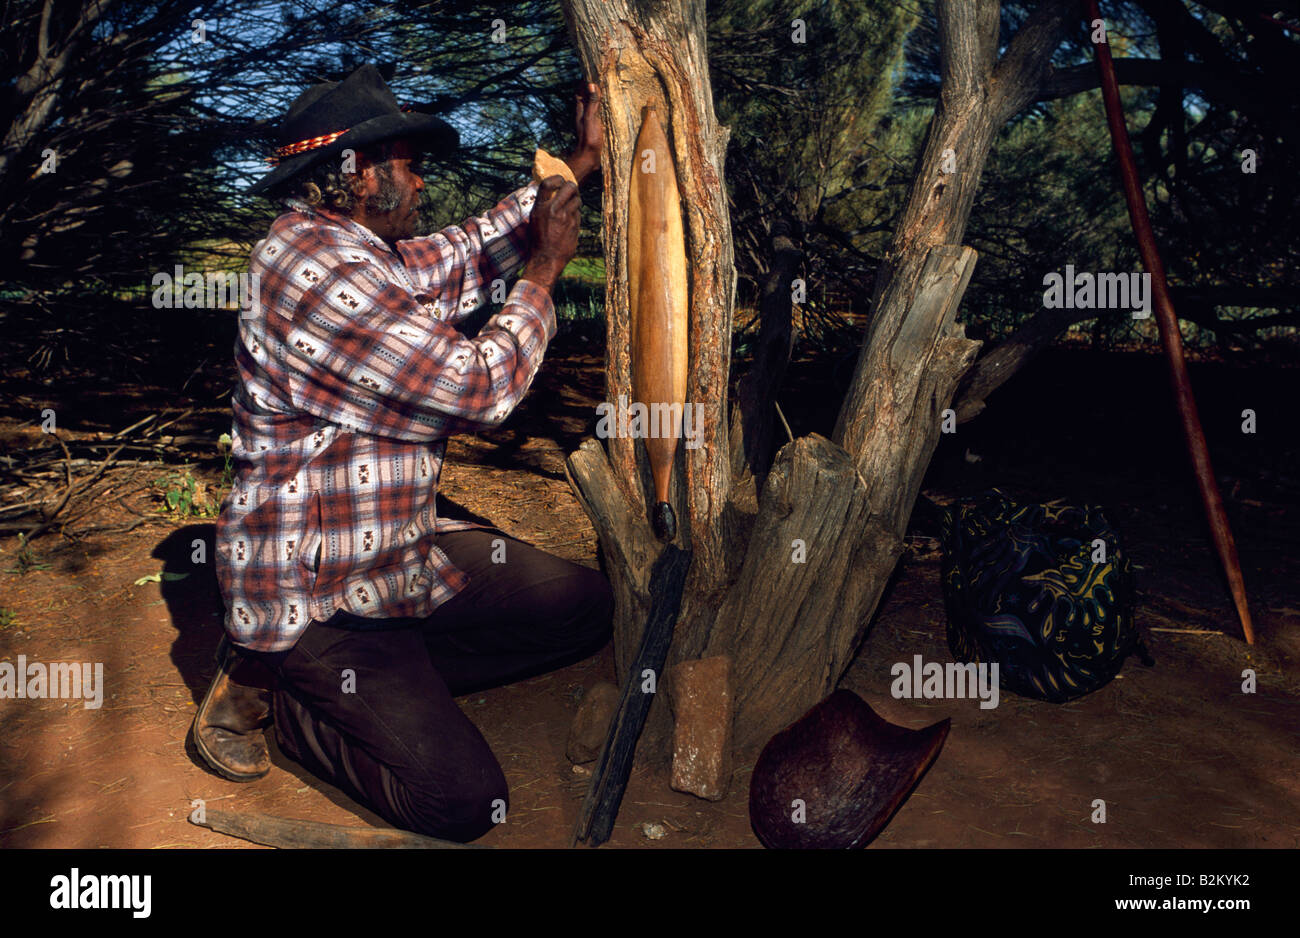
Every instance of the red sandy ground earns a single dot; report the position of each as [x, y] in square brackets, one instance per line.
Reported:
[1180, 756]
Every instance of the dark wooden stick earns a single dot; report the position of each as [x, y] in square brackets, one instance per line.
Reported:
[1170, 337]
[291, 833]
[609, 780]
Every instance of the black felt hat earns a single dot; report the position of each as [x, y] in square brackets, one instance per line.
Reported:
[355, 112]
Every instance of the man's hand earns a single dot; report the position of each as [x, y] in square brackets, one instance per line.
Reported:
[552, 231]
[585, 158]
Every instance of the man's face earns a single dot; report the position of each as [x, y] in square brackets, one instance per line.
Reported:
[390, 194]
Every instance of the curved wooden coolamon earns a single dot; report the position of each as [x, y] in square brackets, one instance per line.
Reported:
[656, 252]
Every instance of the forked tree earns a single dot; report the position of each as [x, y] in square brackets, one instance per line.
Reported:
[791, 552]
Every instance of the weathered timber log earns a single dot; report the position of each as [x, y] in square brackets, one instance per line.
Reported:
[657, 55]
[819, 553]
[642, 55]
[292, 833]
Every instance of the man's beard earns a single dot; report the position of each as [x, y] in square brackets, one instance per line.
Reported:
[388, 198]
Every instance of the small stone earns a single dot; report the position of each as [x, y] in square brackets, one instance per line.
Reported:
[591, 722]
[700, 694]
[654, 831]
[581, 770]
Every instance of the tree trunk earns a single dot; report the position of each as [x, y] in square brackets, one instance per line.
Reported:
[752, 434]
[785, 579]
[655, 54]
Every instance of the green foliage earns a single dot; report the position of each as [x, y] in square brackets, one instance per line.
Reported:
[26, 559]
[805, 152]
[185, 496]
[586, 268]
[1048, 197]
[8, 617]
[157, 136]
[588, 309]
[807, 110]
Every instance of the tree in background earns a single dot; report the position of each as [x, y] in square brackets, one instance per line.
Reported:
[1006, 98]
[158, 116]
[153, 118]
[805, 154]
[1201, 84]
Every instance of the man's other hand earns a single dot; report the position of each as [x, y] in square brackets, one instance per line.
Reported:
[585, 158]
[552, 231]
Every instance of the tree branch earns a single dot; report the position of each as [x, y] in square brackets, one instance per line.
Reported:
[1064, 82]
[1028, 58]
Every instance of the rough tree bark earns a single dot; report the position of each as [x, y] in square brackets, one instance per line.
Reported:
[786, 577]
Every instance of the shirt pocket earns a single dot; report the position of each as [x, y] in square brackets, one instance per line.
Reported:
[310, 554]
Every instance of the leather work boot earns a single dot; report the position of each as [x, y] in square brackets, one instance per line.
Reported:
[229, 723]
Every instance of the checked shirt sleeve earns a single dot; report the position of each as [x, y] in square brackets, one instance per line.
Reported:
[458, 265]
[361, 352]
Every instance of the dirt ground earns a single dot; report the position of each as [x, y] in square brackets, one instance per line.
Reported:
[1181, 757]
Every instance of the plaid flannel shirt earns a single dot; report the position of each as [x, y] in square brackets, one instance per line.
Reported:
[351, 378]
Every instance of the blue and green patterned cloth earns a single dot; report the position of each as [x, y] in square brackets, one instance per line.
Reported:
[1046, 591]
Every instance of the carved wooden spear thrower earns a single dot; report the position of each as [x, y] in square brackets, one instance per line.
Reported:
[656, 273]
[1170, 338]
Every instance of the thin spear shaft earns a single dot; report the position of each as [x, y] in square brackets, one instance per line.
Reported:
[1170, 337]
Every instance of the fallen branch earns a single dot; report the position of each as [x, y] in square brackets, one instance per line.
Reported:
[135, 426]
[292, 833]
[84, 486]
[67, 493]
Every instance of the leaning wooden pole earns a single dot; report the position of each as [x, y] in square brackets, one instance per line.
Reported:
[1170, 337]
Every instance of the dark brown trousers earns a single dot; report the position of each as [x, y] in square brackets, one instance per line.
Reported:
[367, 704]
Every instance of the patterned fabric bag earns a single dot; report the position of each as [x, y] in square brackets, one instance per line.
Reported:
[1046, 591]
